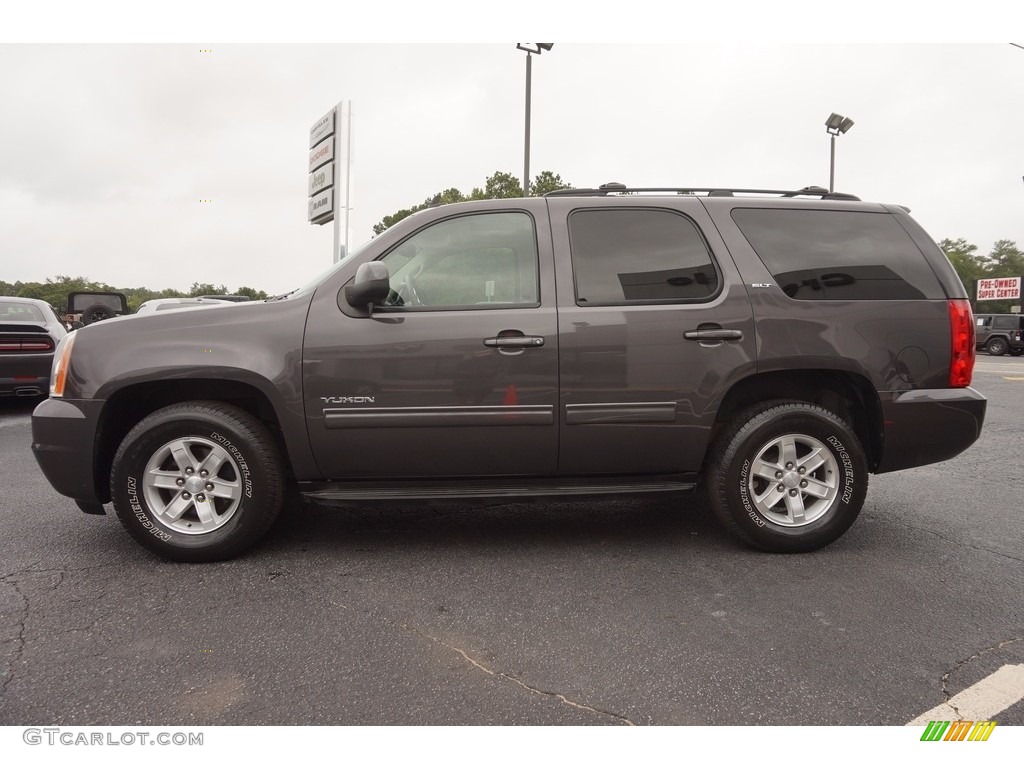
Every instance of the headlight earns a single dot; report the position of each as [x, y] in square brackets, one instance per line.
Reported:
[61, 362]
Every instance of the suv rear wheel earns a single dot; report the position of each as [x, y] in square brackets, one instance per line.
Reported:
[997, 346]
[197, 481]
[787, 477]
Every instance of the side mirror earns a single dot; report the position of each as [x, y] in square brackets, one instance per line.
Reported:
[371, 286]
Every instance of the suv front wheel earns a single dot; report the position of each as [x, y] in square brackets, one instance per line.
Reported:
[197, 481]
[787, 477]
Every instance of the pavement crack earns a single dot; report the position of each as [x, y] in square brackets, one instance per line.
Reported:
[956, 668]
[952, 540]
[19, 639]
[526, 686]
[31, 570]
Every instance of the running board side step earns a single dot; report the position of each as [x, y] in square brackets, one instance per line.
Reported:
[508, 489]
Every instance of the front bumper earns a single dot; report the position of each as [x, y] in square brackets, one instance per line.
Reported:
[64, 440]
[924, 426]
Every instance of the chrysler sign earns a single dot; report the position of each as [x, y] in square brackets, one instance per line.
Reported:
[321, 129]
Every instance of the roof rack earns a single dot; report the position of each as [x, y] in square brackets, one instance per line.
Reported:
[621, 189]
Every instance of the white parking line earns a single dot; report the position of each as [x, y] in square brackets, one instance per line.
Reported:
[999, 368]
[983, 700]
[12, 421]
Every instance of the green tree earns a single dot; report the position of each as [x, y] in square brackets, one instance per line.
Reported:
[545, 182]
[1005, 260]
[395, 217]
[499, 184]
[56, 289]
[204, 289]
[502, 185]
[964, 257]
[252, 293]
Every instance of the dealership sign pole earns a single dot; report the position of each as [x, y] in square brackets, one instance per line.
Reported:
[328, 138]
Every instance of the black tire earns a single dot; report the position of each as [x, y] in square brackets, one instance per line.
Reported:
[246, 478]
[96, 312]
[1016, 352]
[736, 486]
[997, 346]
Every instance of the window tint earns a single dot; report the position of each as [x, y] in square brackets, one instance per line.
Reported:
[838, 255]
[476, 261]
[625, 256]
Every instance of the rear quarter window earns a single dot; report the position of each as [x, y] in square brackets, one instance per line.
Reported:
[838, 255]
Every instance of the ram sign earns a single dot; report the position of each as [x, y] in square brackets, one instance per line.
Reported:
[992, 288]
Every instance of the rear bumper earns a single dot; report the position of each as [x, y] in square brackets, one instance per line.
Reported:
[64, 443]
[928, 425]
[27, 375]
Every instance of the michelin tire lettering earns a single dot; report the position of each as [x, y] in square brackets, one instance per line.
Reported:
[140, 514]
[242, 465]
[848, 473]
[745, 497]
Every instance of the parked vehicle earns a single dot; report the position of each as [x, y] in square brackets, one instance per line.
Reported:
[226, 297]
[92, 306]
[29, 333]
[191, 302]
[773, 348]
[999, 334]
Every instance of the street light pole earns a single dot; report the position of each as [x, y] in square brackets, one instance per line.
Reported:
[832, 167]
[526, 151]
[835, 125]
[530, 48]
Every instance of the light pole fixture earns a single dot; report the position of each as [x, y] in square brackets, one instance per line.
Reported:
[530, 48]
[835, 125]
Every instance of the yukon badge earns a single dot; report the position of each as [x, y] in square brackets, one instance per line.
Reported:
[346, 400]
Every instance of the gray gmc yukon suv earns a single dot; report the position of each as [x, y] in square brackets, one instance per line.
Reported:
[772, 348]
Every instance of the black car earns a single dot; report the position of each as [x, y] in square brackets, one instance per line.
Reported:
[29, 333]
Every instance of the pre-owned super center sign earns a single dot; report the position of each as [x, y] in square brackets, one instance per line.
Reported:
[990, 288]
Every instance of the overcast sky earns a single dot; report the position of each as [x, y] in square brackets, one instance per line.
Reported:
[107, 150]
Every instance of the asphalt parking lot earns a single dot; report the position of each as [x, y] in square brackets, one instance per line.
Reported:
[583, 613]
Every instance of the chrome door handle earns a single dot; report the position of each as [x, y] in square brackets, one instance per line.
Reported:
[518, 342]
[714, 334]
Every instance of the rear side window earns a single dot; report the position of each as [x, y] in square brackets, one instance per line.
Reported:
[838, 255]
[639, 256]
[1005, 323]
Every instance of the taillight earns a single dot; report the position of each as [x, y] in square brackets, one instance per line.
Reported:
[26, 344]
[961, 326]
[61, 361]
